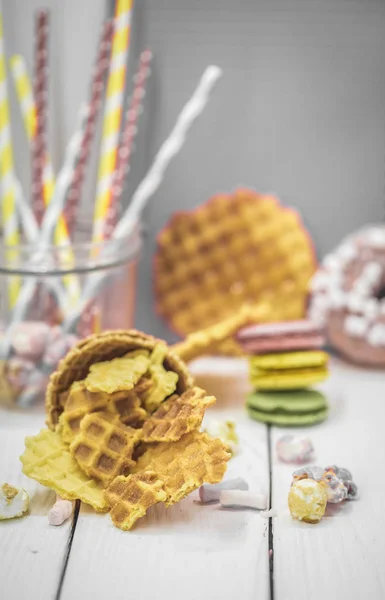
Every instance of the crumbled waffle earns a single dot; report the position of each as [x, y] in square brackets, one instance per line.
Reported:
[103, 448]
[177, 416]
[119, 374]
[234, 249]
[205, 341]
[98, 348]
[163, 385]
[131, 496]
[185, 465]
[46, 459]
[80, 402]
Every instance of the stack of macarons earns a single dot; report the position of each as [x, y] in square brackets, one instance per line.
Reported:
[285, 360]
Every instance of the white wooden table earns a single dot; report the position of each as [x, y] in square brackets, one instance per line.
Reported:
[203, 552]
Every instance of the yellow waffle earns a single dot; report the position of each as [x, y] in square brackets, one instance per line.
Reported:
[131, 496]
[47, 459]
[103, 448]
[234, 249]
[118, 374]
[185, 465]
[206, 341]
[102, 347]
[80, 402]
[163, 385]
[177, 416]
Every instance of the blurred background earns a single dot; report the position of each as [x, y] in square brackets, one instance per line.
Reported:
[300, 110]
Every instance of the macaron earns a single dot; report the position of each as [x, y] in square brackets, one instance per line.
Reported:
[287, 379]
[280, 337]
[289, 360]
[302, 407]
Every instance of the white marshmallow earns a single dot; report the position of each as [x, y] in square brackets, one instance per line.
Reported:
[211, 493]
[376, 237]
[60, 512]
[371, 309]
[338, 299]
[346, 252]
[355, 326]
[269, 514]
[239, 498]
[320, 281]
[376, 335]
[331, 262]
[356, 303]
[372, 272]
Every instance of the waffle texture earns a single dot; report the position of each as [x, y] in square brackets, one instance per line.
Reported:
[47, 459]
[177, 416]
[102, 347]
[234, 249]
[103, 448]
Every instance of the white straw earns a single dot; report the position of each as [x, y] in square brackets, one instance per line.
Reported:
[153, 179]
[170, 148]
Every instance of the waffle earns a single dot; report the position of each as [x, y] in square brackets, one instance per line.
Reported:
[205, 341]
[80, 402]
[131, 496]
[103, 447]
[177, 416]
[185, 465]
[234, 249]
[98, 348]
[119, 374]
[47, 459]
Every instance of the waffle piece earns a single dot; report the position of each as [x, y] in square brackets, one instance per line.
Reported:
[118, 374]
[80, 402]
[103, 447]
[131, 496]
[185, 465]
[46, 459]
[233, 249]
[164, 383]
[205, 341]
[98, 348]
[177, 416]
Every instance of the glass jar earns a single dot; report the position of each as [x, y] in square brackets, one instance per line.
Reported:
[53, 296]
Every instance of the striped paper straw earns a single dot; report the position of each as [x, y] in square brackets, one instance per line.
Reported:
[40, 95]
[28, 111]
[151, 182]
[9, 216]
[126, 146]
[96, 97]
[112, 114]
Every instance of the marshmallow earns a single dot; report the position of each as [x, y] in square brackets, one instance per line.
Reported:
[376, 237]
[371, 309]
[356, 303]
[331, 262]
[14, 502]
[269, 514]
[60, 512]
[355, 326]
[338, 299]
[372, 272]
[346, 252]
[376, 335]
[294, 449]
[211, 493]
[29, 339]
[320, 281]
[242, 499]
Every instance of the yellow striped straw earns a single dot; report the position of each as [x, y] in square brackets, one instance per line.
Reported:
[112, 113]
[28, 110]
[9, 215]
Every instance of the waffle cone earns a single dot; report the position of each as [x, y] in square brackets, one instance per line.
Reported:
[101, 347]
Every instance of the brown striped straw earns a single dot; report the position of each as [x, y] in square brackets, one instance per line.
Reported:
[96, 96]
[41, 95]
[126, 146]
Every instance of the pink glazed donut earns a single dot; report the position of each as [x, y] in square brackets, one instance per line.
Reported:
[348, 297]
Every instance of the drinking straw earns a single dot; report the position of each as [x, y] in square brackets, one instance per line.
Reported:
[112, 114]
[9, 216]
[40, 94]
[96, 97]
[126, 146]
[28, 112]
[151, 182]
[51, 216]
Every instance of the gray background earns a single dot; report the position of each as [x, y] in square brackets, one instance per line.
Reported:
[300, 110]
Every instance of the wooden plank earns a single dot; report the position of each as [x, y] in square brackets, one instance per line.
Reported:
[187, 550]
[31, 551]
[344, 554]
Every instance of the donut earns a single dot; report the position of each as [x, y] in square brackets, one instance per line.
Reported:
[348, 297]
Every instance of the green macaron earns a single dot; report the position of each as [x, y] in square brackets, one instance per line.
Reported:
[294, 408]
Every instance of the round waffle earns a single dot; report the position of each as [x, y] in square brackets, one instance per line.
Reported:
[101, 347]
[234, 249]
